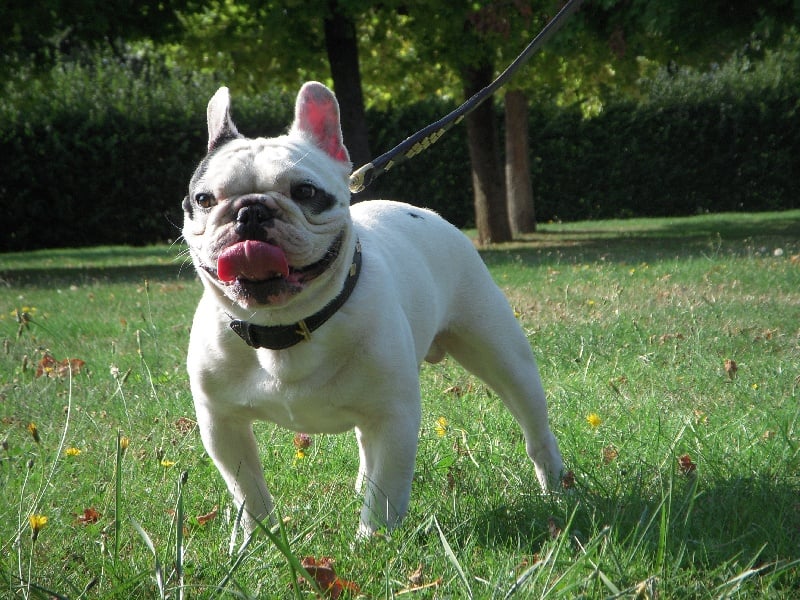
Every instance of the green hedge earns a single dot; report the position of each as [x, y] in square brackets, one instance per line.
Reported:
[668, 160]
[102, 154]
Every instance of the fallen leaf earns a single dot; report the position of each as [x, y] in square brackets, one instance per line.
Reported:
[422, 586]
[663, 339]
[52, 368]
[554, 529]
[700, 417]
[417, 578]
[185, 425]
[527, 562]
[210, 516]
[767, 334]
[325, 577]
[568, 480]
[90, 515]
[731, 367]
[302, 441]
[610, 454]
[686, 465]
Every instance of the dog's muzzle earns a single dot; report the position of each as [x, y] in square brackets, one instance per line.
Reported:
[253, 218]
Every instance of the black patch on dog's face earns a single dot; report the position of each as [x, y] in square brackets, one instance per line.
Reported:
[189, 203]
[312, 198]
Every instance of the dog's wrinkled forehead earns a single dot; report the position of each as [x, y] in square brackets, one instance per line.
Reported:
[263, 165]
[311, 153]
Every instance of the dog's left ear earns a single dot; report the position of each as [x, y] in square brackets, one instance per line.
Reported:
[316, 117]
[220, 125]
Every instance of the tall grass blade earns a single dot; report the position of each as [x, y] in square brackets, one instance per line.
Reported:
[734, 584]
[527, 573]
[118, 495]
[240, 557]
[179, 518]
[452, 558]
[665, 509]
[159, 571]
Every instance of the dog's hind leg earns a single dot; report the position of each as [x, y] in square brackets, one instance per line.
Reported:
[486, 339]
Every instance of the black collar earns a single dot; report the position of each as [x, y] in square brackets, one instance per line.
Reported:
[280, 337]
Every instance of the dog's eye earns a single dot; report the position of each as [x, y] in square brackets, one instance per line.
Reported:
[204, 199]
[303, 192]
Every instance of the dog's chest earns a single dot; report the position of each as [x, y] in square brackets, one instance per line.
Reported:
[295, 392]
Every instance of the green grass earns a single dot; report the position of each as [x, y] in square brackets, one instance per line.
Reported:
[630, 320]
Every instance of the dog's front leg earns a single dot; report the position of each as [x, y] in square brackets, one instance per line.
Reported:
[388, 450]
[232, 446]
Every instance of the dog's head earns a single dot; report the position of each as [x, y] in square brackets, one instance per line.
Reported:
[268, 218]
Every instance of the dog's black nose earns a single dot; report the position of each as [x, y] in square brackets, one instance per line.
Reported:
[252, 218]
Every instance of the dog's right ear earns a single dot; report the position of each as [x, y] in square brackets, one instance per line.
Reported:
[220, 125]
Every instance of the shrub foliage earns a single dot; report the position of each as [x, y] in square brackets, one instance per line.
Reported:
[101, 152]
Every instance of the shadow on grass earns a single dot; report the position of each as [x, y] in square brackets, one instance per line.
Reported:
[67, 276]
[93, 266]
[710, 525]
[651, 240]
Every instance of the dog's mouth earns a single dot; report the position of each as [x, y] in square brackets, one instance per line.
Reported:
[258, 270]
[252, 260]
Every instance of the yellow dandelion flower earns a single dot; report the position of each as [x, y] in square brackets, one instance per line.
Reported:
[299, 455]
[37, 523]
[590, 302]
[441, 427]
[167, 463]
[72, 451]
[594, 419]
[34, 431]
[123, 443]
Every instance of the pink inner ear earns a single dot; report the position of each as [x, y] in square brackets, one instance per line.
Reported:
[319, 118]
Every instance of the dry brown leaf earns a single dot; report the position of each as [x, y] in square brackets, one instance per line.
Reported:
[731, 367]
[610, 454]
[90, 515]
[185, 425]
[325, 577]
[553, 528]
[302, 441]
[417, 578]
[686, 465]
[209, 516]
[52, 368]
[700, 417]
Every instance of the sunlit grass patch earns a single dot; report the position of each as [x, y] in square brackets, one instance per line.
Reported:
[670, 351]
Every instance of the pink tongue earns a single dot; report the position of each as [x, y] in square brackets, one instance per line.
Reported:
[252, 260]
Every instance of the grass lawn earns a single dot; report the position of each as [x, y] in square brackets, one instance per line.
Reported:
[670, 350]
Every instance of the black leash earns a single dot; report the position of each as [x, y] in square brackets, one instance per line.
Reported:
[364, 176]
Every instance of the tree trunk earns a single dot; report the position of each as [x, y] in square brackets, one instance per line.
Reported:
[342, 46]
[491, 216]
[519, 189]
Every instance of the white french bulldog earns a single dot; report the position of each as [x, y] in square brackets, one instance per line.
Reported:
[317, 315]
